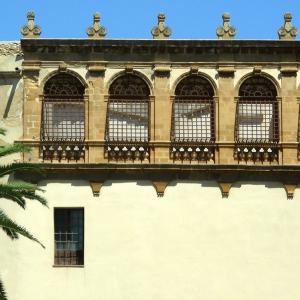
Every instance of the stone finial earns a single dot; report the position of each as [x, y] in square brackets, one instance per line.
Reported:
[97, 31]
[227, 32]
[287, 31]
[161, 31]
[31, 30]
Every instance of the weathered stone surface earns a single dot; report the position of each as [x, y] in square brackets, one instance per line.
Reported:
[10, 48]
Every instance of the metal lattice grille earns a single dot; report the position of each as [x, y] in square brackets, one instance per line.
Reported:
[63, 110]
[257, 118]
[128, 120]
[193, 120]
[68, 236]
[128, 110]
[63, 121]
[193, 111]
[257, 121]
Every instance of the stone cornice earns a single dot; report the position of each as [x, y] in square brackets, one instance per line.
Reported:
[288, 174]
[162, 50]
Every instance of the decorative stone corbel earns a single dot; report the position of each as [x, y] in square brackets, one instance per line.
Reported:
[96, 69]
[194, 70]
[161, 31]
[287, 31]
[227, 32]
[62, 67]
[289, 71]
[162, 71]
[97, 31]
[226, 71]
[257, 70]
[31, 30]
[290, 190]
[96, 187]
[160, 187]
[129, 69]
[225, 188]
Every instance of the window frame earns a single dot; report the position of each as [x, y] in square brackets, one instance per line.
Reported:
[206, 97]
[69, 209]
[254, 98]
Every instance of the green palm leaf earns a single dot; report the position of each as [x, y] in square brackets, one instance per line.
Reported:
[20, 191]
[13, 230]
[2, 131]
[16, 148]
[2, 291]
[8, 169]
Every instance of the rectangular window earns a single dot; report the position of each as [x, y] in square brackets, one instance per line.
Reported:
[69, 236]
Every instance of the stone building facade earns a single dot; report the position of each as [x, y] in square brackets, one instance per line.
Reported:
[210, 127]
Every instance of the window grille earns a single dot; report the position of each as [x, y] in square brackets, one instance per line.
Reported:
[127, 125]
[63, 119]
[128, 110]
[257, 118]
[69, 237]
[63, 110]
[193, 117]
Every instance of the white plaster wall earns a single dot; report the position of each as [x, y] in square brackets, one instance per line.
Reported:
[190, 244]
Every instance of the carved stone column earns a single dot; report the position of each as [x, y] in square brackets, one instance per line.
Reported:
[289, 115]
[162, 115]
[226, 118]
[97, 107]
[32, 110]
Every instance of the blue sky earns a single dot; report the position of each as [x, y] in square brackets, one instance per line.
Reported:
[189, 19]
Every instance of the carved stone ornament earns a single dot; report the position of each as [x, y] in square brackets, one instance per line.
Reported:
[31, 30]
[287, 31]
[161, 31]
[96, 187]
[160, 187]
[227, 32]
[97, 31]
[290, 190]
[225, 188]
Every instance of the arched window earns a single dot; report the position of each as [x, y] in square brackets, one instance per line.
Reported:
[128, 110]
[63, 115]
[193, 117]
[257, 119]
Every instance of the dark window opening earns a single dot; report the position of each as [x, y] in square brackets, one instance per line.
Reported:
[69, 236]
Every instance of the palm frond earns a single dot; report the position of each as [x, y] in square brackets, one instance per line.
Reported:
[20, 191]
[8, 224]
[11, 149]
[10, 168]
[3, 295]
[2, 131]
